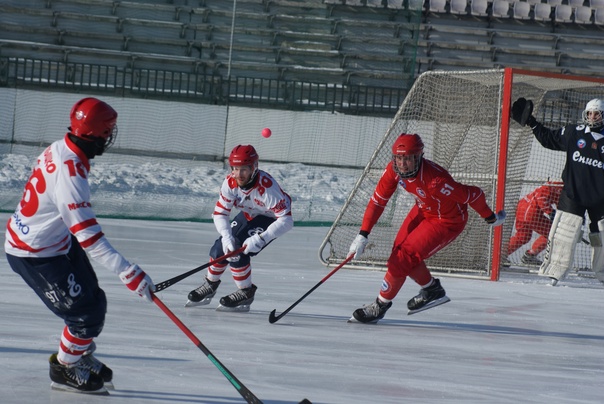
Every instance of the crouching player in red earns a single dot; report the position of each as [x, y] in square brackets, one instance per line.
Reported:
[437, 218]
[47, 239]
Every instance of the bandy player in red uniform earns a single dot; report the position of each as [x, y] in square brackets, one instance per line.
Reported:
[535, 213]
[437, 218]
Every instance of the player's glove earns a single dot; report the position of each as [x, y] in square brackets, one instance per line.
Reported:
[496, 219]
[358, 246]
[138, 281]
[522, 112]
[229, 244]
[254, 244]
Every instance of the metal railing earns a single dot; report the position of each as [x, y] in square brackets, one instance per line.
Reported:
[202, 87]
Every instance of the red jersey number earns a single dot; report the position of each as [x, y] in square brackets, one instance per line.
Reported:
[30, 201]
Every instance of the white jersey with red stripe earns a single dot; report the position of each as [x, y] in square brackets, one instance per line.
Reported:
[265, 198]
[56, 203]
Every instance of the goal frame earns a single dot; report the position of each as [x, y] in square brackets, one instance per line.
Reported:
[497, 199]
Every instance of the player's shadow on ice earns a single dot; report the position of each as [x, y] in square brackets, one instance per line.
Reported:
[300, 319]
[485, 329]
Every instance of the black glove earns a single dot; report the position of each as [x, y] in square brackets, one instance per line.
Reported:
[522, 112]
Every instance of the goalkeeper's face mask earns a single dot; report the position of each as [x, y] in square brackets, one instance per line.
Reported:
[592, 116]
[407, 165]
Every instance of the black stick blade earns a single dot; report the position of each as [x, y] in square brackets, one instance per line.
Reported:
[272, 318]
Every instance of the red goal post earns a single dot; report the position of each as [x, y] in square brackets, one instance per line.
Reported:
[464, 120]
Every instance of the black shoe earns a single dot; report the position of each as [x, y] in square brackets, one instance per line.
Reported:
[529, 259]
[75, 378]
[371, 313]
[241, 299]
[203, 294]
[90, 362]
[433, 295]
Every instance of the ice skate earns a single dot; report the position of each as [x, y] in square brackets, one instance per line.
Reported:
[202, 295]
[239, 301]
[529, 259]
[76, 378]
[427, 298]
[90, 362]
[370, 313]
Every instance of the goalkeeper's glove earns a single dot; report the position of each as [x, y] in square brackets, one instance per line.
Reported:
[496, 219]
[138, 281]
[358, 246]
[522, 112]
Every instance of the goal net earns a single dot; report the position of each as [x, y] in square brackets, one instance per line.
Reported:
[463, 119]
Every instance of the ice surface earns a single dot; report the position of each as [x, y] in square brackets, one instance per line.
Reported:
[518, 340]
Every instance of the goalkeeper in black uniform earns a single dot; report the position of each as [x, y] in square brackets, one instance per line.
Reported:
[583, 189]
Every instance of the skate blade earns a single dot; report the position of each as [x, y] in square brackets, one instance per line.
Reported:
[354, 320]
[109, 385]
[203, 302]
[244, 308]
[62, 387]
[430, 305]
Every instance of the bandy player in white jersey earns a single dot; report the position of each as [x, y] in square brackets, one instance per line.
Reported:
[264, 215]
[47, 239]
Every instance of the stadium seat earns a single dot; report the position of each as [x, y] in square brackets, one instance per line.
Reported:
[479, 8]
[501, 9]
[543, 12]
[599, 16]
[522, 10]
[583, 15]
[594, 4]
[459, 7]
[533, 2]
[575, 3]
[554, 3]
[438, 6]
[563, 13]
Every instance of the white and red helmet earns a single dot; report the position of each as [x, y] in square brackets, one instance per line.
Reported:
[408, 145]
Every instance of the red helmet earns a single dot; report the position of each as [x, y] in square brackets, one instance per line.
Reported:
[91, 117]
[408, 145]
[243, 155]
